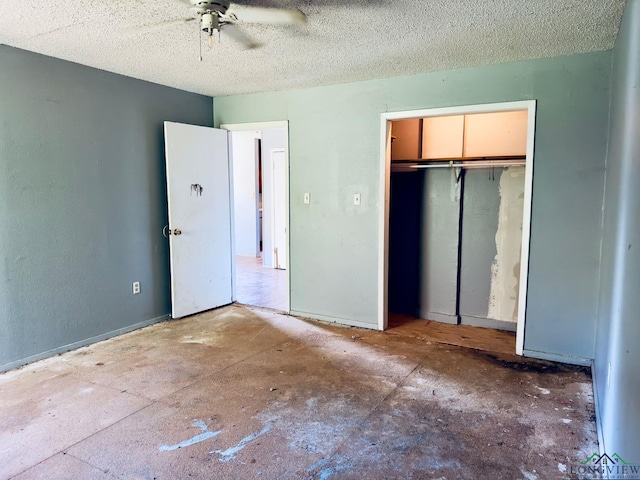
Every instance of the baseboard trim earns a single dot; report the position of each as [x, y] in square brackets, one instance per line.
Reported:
[81, 343]
[488, 323]
[439, 317]
[554, 357]
[330, 319]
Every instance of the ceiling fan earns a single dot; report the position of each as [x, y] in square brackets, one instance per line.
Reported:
[215, 16]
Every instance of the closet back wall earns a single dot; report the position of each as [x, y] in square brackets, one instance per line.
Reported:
[491, 243]
[440, 232]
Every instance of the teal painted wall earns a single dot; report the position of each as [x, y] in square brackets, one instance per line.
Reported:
[617, 358]
[334, 151]
[82, 202]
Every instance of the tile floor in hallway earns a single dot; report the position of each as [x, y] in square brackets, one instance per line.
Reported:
[260, 286]
[237, 393]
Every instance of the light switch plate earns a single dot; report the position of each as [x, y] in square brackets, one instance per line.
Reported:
[307, 198]
[356, 199]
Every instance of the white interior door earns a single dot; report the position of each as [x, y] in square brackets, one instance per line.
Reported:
[199, 217]
[278, 161]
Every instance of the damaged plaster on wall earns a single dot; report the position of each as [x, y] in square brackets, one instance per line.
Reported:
[505, 271]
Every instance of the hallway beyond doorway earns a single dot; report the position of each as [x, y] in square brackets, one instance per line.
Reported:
[260, 286]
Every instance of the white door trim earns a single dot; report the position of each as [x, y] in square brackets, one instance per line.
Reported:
[232, 212]
[273, 210]
[385, 176]
[240, 127]
[235, 127]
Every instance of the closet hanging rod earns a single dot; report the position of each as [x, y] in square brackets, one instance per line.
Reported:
[461, 165]
[496, 158]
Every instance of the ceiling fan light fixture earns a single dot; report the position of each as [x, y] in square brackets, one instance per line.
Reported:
[213, 15]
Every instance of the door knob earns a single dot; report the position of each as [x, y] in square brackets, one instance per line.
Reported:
[166, 231]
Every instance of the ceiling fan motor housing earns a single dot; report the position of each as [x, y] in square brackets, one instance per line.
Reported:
[207, 6]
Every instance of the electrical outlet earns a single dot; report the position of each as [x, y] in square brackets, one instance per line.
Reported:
[307, 198]
[136, 288]
[356, 199]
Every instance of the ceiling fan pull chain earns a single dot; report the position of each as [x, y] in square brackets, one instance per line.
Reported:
[200, 42]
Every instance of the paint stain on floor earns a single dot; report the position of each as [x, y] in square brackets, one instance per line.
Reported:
[205, 435]
[231, 452]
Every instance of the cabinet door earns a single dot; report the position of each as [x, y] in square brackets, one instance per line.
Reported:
[442, 137]
[495, 134]
[406, 143]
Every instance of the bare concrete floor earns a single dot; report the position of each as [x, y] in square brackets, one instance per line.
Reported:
[239, 394]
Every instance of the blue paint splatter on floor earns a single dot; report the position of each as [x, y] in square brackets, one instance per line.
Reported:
[201, 425]
[230, 453]
[325, 473]
[193, 440]
[320, 463]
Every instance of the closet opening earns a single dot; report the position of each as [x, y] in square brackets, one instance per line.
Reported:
[457, 196]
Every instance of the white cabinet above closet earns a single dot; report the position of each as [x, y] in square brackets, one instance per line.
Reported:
[442, 137]
[406, 139]
[498, 134]
[480, 135]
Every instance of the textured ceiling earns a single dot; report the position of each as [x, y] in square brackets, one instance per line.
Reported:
[343, 41]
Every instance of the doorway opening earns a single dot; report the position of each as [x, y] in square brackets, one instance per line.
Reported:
[454, 237]
[259, 164]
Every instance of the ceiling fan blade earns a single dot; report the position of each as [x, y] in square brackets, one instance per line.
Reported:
[162, 25]
[232, 31]
[315, 3]
[184, 3]
[274, 16]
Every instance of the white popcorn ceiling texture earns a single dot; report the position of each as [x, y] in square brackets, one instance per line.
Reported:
[344, 41]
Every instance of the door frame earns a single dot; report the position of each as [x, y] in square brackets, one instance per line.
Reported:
[232, 177]
[273, 181]
[238, 127]
[385, 191]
